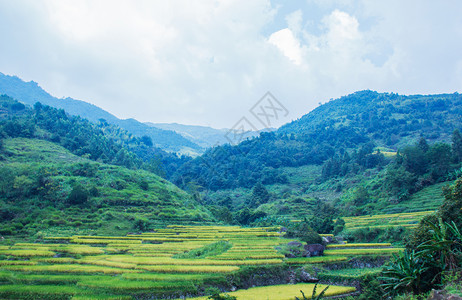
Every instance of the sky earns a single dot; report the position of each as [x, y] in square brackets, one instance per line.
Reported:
[210, 62]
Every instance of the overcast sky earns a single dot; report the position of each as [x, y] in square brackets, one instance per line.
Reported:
[208, 62]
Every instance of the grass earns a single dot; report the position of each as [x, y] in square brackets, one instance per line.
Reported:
[429, 198]
[26, 253]
[385, 220]
[17, 262]
[208, 250]
[169, 277]
[315, 260]
[347, 274]
[158, 261]
[359, 245]
[68, 268]
[20, 291]
[354, 252]
[118, 285]
[188, 269]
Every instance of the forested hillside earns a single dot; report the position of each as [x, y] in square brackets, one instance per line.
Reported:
[30, 93]
[363, 153]
[59, 171]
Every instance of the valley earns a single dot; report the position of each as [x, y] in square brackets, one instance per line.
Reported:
[92, 211]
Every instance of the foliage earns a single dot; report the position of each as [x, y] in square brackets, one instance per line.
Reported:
[44, 187]
[303, 232]
[221, 297]
[409, 271]
[208, 250]
[78, 195]
[314, 296]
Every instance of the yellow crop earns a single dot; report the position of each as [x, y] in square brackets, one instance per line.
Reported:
[27, 253]
[189, 269]
[359, 245]
[66, 268]
[286, 291]
[383, 251]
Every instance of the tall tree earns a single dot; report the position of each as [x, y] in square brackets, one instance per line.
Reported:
[457, 146]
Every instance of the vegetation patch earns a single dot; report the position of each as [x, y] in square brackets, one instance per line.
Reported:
[208, 250]
[354, 252]
[315, 260]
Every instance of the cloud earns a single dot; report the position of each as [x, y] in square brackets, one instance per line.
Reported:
[208, 62]
[285, 41]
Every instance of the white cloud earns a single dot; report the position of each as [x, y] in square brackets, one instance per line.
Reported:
[208, 62]
[285, 41]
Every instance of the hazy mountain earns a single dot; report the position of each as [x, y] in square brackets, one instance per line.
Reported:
[201, 135]
[30, 93]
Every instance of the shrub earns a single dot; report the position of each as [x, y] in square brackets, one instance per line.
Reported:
[78, 195]
[304, 232]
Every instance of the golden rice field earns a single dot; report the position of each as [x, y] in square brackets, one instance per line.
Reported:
[286, 291]
[409, 220]
[153, 263]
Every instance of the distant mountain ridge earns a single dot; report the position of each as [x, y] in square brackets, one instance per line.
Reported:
[30, 93]
[204, 136]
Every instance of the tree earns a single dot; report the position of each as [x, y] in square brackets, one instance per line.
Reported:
[259, 195]
[339, 225]
[78, 195]
[423, 145]
[457, 146]
[147, 140]
[304, 232]
[399, 183]
[440, 160]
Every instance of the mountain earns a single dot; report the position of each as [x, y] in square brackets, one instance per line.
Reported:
[203, 136]
[389, 119]
[46, 188]
[61, 173]
[30, 93]
[362, 153]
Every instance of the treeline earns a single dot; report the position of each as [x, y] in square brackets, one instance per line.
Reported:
[344, 163]
[258, 159]
[100, 142]
[421, 164]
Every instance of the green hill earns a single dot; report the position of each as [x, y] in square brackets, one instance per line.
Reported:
[46, 189]
[363, 153]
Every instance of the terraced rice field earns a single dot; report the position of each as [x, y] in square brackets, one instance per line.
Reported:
[359, 249]
[167, 263]
[409, 220]
[286, 291]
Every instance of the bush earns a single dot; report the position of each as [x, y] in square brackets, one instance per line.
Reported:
[78, 195]
[339, 226]
[304, 232]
